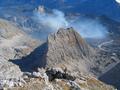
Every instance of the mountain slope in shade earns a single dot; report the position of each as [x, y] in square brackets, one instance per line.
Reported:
[112, 77]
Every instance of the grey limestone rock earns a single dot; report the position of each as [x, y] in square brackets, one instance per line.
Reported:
[66, 48]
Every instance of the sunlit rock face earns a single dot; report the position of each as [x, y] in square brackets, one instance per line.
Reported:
[14, 44]
[66, 48]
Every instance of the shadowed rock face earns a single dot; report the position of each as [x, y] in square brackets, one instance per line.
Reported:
[66, 48]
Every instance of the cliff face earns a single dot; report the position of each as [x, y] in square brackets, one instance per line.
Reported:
[67, 48]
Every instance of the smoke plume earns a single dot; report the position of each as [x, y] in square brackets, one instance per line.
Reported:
[88, 28]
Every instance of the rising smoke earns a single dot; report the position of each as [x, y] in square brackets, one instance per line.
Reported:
[88, 28]
[53, 21]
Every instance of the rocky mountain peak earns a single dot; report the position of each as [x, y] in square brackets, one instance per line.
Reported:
[69, 37]
[66, 48]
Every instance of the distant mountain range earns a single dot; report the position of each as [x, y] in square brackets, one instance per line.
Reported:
[108, 8]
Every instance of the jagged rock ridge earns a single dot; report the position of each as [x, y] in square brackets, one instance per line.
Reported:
[66, 48]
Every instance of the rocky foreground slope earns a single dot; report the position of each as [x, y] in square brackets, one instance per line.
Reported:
[66, 58]
[61, 80]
